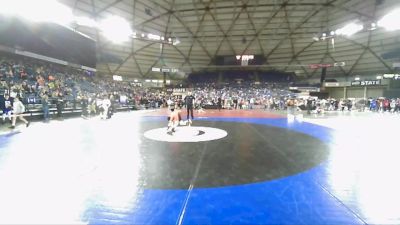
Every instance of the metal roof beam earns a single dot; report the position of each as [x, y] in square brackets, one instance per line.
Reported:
[197, 30]
[264, 26]
[272, 5]
[294, 57]
[315, 12]
[365, 49]
[151, 19]
[96, 13]
[292, 44]
[184, 26]
[254, 27]
[225, 33]
[133, 53]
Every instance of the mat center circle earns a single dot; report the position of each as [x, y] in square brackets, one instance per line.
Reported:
[186, 134]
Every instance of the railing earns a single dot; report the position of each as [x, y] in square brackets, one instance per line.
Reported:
[36, 110]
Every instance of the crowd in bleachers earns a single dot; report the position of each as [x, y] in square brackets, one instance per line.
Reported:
[240, 96]
[39, 82]
[276, 97]
[31, 78]
[315, 105]
[384, 104]
[41, 85]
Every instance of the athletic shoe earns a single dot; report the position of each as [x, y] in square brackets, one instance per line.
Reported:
[27, 125]
[12, 127]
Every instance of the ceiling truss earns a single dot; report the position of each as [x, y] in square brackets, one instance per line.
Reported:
[208, 28]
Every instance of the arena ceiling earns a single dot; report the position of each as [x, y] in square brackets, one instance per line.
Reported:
[281, 30]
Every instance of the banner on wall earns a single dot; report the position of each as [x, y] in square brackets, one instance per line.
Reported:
[366, 83]
[331, 84]
[176, 90]
[305, 89]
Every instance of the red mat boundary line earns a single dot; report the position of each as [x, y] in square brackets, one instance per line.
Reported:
[223, 114]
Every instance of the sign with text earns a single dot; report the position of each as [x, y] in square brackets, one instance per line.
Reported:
[176, 90]
[317, 66]
[305, 89]
[366, 83]
[391, 76]
[331, 84]
[117, 78]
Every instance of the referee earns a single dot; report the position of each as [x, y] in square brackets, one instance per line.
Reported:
[189, 101]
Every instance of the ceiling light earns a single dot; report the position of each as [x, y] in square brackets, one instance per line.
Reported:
[339, 64]
[32, 11]
[332, 33]
[153, 37]
[85, 21]
[116, 29]
[59, 13]
[349, 29]
[357, 78]
[391, 20]
[9, 7]
[176, 42]
[372, 26]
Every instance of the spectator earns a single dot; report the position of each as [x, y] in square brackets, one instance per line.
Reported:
[105, 104]
[45, 106]
[59, 104]
[18, 109]
[6, 106]
[84, 105]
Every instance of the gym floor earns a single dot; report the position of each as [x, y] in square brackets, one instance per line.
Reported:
[229, 167]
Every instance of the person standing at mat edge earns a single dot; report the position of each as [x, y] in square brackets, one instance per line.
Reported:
[18, 109]
[189, 101]
[219, 104]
